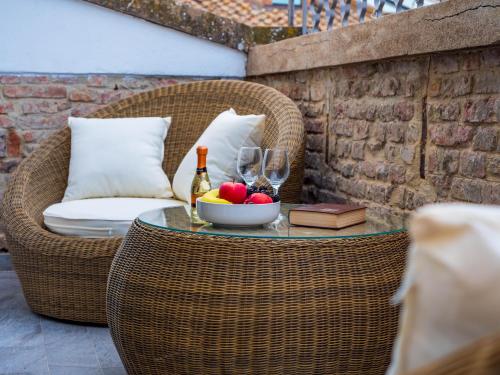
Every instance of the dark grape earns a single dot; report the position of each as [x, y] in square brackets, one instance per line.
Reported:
[265, 190]
[275, 197]
[251, 190]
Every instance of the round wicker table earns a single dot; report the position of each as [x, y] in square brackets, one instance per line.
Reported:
[192, 300]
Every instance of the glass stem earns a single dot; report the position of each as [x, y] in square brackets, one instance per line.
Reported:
[275, 190]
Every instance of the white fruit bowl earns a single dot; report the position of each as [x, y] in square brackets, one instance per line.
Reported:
[238, 214]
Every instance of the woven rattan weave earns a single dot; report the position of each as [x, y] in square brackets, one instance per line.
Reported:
[479, 358]
[197, 304]
[65, 277]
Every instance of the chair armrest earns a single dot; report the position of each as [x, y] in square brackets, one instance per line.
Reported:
[479, 358]
[39, 181]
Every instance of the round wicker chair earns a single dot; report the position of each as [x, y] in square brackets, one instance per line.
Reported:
[65, 277]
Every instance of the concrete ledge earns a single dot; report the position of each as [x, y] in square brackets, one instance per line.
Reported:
[181, 17]
[452, 25]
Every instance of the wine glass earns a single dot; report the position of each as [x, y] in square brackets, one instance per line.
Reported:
[276, 167]
[249, 164]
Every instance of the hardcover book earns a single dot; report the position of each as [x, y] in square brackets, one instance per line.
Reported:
[327, 215]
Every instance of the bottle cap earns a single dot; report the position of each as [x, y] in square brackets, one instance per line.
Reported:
[202, 150]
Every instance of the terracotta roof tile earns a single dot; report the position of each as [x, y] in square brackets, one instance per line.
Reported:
[252, 13]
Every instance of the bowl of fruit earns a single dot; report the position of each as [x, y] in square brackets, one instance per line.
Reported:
[235, 204]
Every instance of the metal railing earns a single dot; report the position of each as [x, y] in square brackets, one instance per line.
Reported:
[315, 10]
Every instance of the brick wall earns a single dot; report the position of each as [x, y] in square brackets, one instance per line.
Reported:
[401, 133]
[34, 106]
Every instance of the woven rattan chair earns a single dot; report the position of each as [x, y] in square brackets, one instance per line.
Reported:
[65, 277]
[479, 358]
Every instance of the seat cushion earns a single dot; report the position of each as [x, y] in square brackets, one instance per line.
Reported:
[100, 217]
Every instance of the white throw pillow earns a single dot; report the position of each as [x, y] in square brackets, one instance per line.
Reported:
[450, 289]
[100, 217]
[118, 157]
[223, 137]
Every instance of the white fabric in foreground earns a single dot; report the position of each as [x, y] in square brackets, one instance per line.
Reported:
[118, 157]
[101, 217]
[223, 137]
[450, 291]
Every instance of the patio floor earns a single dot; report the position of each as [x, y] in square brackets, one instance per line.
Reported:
[34, 345]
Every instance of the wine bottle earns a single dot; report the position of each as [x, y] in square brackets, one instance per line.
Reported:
[201, 183]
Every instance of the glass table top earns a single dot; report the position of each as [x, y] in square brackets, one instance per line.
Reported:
[178, 219]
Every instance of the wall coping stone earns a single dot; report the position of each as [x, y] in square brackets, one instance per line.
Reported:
[182, 17]
[452, 25]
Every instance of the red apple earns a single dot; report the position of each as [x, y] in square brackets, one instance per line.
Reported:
[259, 198]
[233, 192]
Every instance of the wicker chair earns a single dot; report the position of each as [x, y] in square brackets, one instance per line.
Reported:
[482, 357]
[65, 277]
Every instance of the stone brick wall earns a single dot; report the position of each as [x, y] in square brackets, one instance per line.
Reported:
[400, 133]
[34, 106]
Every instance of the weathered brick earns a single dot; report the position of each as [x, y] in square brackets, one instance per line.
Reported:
[396, 132]
[392, 152]
[313, 160]
[446, 111]
[358, 150]
[13, 143]
[6, 107]
[378, 193]
[317, 91]
[472, 164]
[408, 153]
[312, 109]
[8, 165]
[480, 110]
[471, 61]
[487, 82]
[490, 192]
[396, 174]
[347, 169]
[445, 63]
[462, 85]
[132, 83]
[45, 106]
[442, 184]
[486, 139]
[467, 190]
[3, 143]
[343, 148]
[315, 142]
[82, 95]
[443, 161]
[312, 176]
[97, 81]
[413, 133]
[434, 87]
[388, 86]
[343, 128]
[447, 134]
[112, 96]
[360, 130]
[414, 199]
[53, 121]
[367, 168]
[404, 111]
[51, 91]
[83, 109]
[314, 125]
[490, 57]
[6, 122]
[9, 80]
[494, 165]
[385, 112]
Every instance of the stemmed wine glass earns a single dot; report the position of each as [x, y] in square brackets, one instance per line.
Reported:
[249, 164]
[276, 167]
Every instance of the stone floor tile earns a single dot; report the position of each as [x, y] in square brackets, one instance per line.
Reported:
[68, 344]
[25, 361]
[5, 262]
[105, 349]
[114, 371]
[74, 370]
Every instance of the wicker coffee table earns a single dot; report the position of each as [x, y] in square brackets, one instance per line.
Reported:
[186, 299]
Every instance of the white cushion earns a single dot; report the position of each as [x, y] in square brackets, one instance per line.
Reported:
[101, 217]
[223, 137]
[450, 289]
[119, 157]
